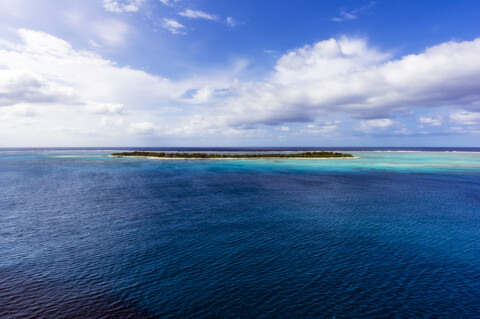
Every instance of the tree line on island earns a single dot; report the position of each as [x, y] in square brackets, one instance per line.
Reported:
[320, 154]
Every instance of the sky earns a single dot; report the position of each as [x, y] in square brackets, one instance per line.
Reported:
[205, 73]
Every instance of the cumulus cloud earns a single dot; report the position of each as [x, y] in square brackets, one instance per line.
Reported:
[17, 110]
[122, 6]
[50, 85]
[283, 128]
[326, 60]
[20, 86]
[326, 128]
[64, 89]
[55, 87]
[376, 124]
[197, 14]
[111, 121]
[173, 26]
[104, 108]
[54, 71]
[467, 118]
[346, 76]
[434, 121]
[202, 95]
[146, 128]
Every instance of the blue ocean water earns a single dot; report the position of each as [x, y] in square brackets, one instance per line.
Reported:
[389, 234]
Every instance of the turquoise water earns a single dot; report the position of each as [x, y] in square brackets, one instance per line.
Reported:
[388, 234]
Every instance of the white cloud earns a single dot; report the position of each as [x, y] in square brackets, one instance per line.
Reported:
[201, 96]
[344, 16]
[48, 86]
[20, 86]
[326, 60]
[353, 14]
[376, 124]
[467, 118]
[197, 14]
[122, 6]
[112, 121]
[403, 131]
[41, 43]
[173, 26]
[231, 22]
[239, 132]
[56, 67]
[111, 31]
[104, 108]
[322, 128]
[72, 91]
[168, 109]
[17, 110]
[346, 76]
[434, 121]
[146, 128]
[98, 30]
[169, 3]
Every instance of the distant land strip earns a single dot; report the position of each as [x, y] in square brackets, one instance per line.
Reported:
[217, 155]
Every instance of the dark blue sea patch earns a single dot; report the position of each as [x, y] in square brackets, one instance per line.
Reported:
[103, 237]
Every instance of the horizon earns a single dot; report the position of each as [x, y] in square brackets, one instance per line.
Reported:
[163, 148]
[216, 73]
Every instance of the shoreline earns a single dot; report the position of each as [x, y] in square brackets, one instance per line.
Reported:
[185, 155]
[236, 158]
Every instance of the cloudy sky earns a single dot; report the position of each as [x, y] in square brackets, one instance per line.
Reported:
[239, 73]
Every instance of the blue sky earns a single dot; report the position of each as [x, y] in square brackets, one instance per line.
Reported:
[239, 73]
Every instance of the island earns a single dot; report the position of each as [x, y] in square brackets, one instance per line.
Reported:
[309, 155]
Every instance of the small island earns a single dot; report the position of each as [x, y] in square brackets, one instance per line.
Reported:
[306, 155]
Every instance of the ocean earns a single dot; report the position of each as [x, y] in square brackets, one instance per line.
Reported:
[393, 233]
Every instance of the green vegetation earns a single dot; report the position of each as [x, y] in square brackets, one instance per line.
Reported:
[217, 155]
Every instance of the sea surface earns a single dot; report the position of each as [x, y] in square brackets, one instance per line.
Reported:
[394, 233]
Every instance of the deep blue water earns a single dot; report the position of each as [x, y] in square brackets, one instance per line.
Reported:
[391, 234]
